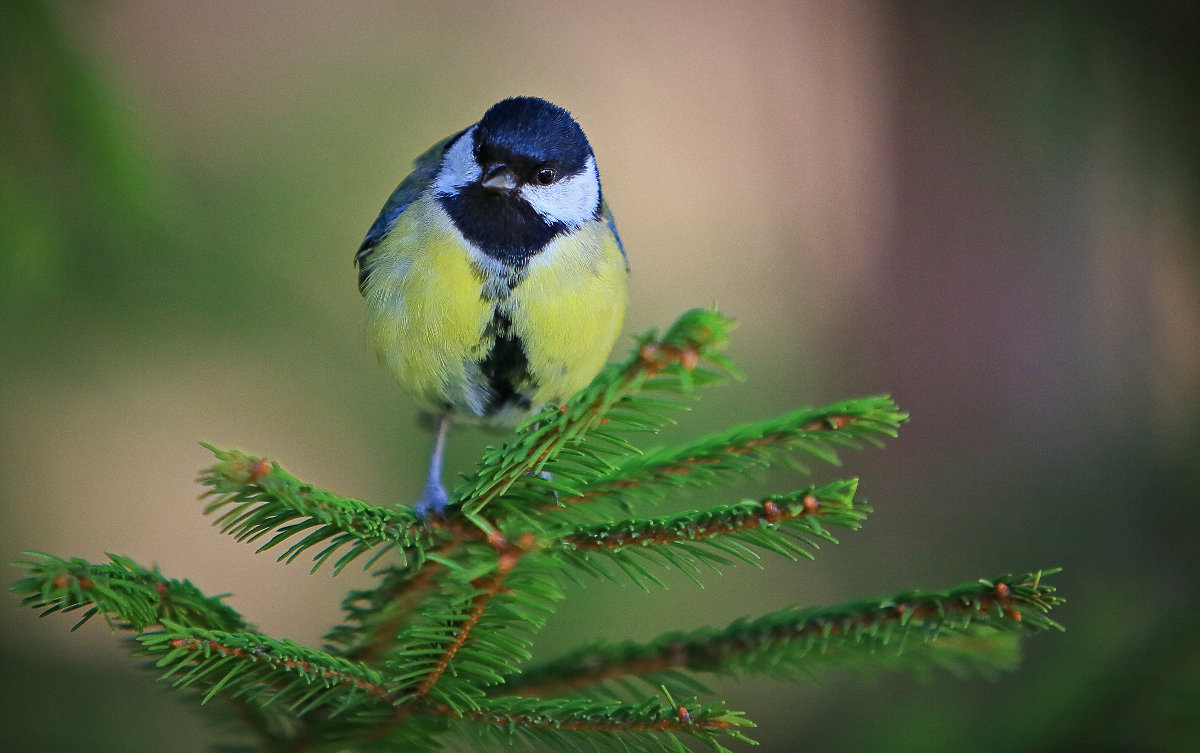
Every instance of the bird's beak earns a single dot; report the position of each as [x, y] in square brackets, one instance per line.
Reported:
[499, 178]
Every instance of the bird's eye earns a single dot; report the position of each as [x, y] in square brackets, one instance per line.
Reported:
[546, 176]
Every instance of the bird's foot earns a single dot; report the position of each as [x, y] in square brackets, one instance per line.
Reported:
[433, 502]
[548, 476]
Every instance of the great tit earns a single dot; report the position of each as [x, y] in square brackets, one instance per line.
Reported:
[494, 277]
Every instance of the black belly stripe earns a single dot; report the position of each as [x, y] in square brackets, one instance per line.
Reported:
[506, 368]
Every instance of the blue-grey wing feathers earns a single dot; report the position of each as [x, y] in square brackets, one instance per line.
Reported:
[425, 169]
[611, 221]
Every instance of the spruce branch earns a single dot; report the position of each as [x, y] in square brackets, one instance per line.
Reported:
[487, 590]
[790, 525]
[577, 724]
[123, 592]
[262, 670]
[475, 630]
[817, 432]
[256, 497]
[375, 616]
[669, 365]
[969, 628]
[442, 638]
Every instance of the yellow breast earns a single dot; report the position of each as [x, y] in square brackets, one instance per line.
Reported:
[569, 310]
[429, 317]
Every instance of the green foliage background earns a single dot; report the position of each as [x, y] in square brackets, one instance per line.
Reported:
[991, 214]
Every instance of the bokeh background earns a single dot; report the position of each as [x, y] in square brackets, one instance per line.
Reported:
[989, 210]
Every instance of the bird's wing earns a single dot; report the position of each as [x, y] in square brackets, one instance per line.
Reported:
[607, 215]
[425, 169]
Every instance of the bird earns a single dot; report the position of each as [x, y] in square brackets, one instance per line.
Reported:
[494, 277]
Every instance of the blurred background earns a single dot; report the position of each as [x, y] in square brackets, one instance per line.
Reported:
[990, 211]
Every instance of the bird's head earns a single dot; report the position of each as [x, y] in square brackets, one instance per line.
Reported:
[524, 173]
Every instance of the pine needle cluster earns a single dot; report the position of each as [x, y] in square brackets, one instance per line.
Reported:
[437, 650]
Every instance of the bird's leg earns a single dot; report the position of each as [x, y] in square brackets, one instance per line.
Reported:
[435, 498]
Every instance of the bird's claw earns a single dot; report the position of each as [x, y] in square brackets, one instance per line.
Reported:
[433, 502]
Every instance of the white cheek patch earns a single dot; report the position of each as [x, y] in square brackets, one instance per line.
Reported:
[571, 201]
[458, 165]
